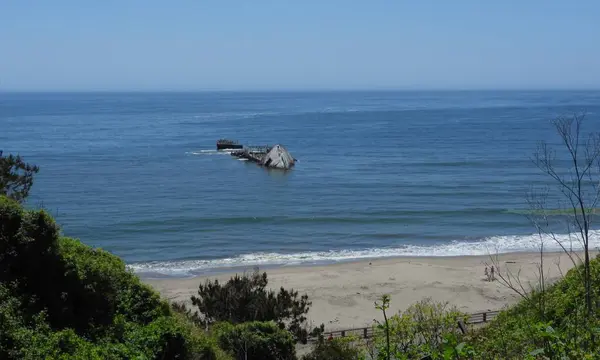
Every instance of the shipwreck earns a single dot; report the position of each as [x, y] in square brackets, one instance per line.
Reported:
[274, 157]
[226, 144]
[279, 158]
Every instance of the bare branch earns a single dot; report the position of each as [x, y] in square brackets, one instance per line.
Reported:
[507, 278]
[582, 191]
[539, 218]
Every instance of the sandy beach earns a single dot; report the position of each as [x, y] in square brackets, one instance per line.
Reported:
[343, 294]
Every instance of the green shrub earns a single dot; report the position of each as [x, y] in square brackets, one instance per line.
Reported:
[421, 329]
[347, 348]
[32, 339]
[30, 263]
[15, 329]
[560, 328]
[16, 177]
[100, 280]
[246, 298]
[255, 340]
[64, 344]
[60, 299]
[164, 338]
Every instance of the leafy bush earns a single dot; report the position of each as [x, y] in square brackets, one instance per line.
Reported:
[561, 329]
[255, 340]
[347, 348]
[16, 177]
[246, 298]
[424, 328]
[100, 280]
[60, 299]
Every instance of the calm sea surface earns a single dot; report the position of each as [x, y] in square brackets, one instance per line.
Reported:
[379, 173]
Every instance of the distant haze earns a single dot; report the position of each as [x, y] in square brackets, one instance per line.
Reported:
[266, 45]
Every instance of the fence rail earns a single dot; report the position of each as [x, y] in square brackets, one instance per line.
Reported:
[482, 317]
[367, 332]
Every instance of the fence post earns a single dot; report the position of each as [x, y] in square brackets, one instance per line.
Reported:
[343, 333]
[365, 333]
[484, 317]
[462, 327]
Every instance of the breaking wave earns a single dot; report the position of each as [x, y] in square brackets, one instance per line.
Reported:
[487, 246]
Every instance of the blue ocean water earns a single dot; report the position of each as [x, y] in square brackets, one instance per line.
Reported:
[379, 173]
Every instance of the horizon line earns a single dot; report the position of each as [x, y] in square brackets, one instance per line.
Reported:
[290, 90]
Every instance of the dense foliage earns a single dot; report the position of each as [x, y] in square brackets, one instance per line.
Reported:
[347, 348]
[61, 299]
[552, 324]
[16, 177]
[423, 328]
[255, 340]
[246, 298]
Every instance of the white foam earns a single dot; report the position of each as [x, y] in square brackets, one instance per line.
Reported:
[488, 246]
[210, 152]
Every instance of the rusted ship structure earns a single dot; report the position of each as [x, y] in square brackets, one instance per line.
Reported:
[224, 144]
[274, 157]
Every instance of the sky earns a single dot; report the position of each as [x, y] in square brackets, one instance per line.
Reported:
[187, 45]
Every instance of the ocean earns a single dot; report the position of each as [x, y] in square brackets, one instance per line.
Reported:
[379, 174]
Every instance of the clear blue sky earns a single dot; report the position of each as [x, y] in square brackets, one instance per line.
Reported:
[308, 44]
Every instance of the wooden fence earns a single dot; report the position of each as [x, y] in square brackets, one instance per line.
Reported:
[367, 332]
[482, 317]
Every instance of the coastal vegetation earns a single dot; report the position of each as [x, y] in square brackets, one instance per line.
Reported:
[246, 298]
[16, 177]
[549, 324]
[61, 299]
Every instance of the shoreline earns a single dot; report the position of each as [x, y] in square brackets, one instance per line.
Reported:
[343, 293]
[219, 271]
[185, 267]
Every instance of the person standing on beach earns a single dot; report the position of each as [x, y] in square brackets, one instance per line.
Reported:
[487, 274]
